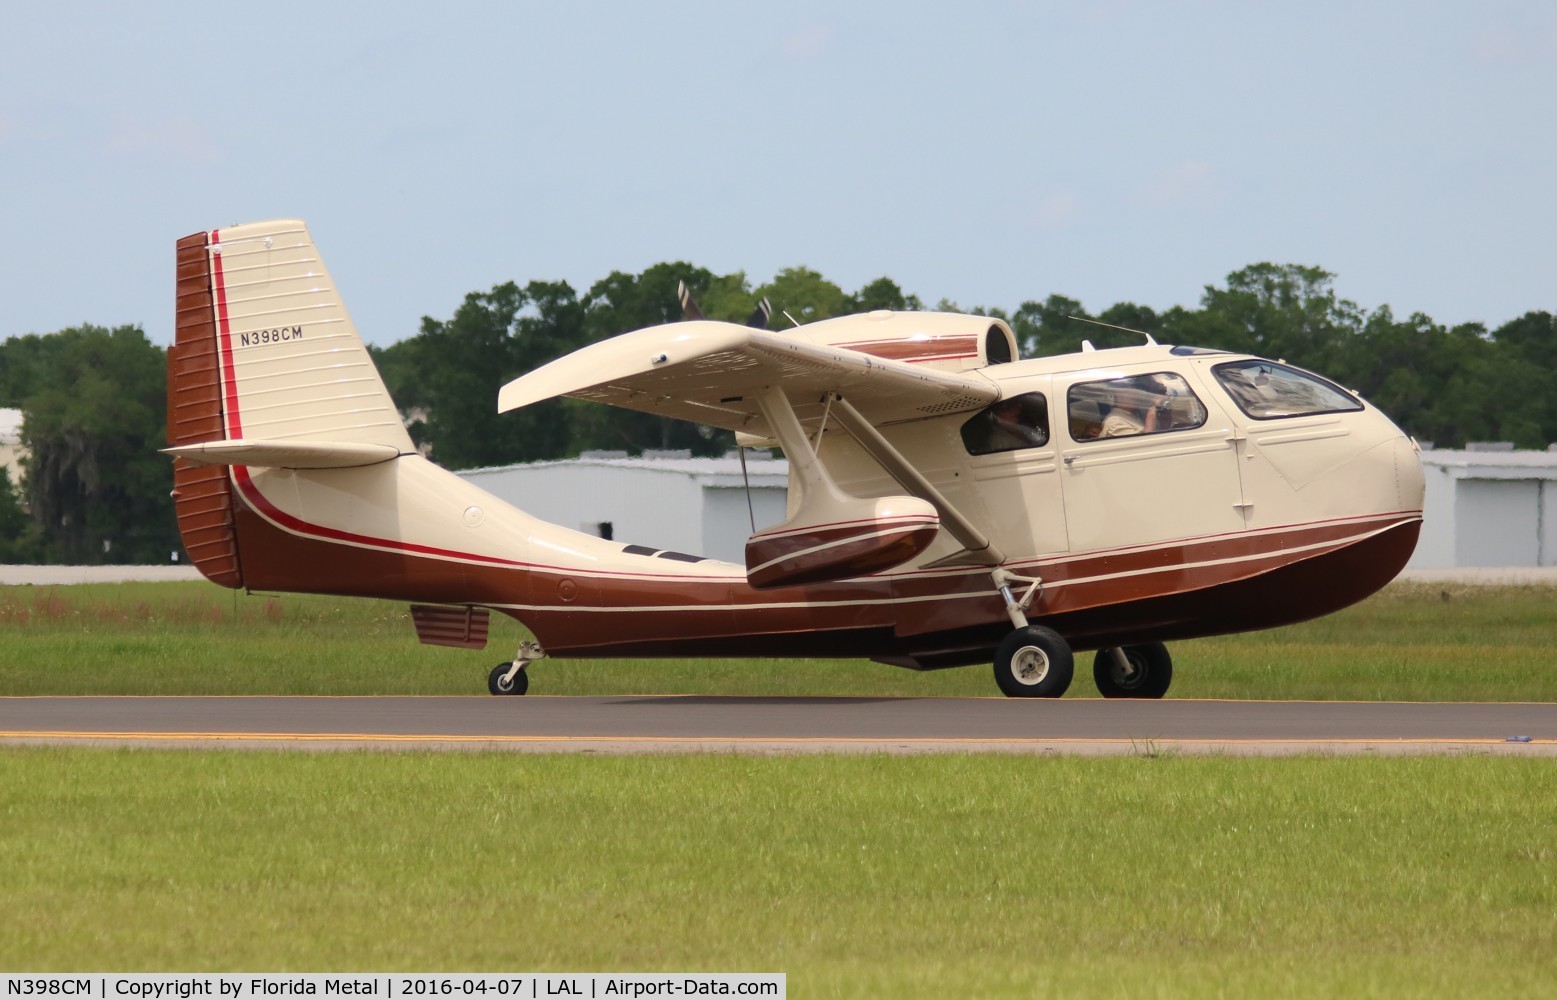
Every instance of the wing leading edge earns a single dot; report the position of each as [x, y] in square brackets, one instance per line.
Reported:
[711, 373]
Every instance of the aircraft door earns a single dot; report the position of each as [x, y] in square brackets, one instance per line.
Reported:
[1146, 458]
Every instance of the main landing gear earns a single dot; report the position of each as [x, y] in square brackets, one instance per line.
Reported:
[512, 677]
[1140, 671]
[1035, 661]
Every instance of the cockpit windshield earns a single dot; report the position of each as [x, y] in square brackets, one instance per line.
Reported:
[1266, 390]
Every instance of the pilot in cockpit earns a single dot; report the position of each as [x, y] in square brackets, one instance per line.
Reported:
[1011, 427]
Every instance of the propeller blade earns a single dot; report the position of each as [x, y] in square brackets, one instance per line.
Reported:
[689, 309]
[759, 316]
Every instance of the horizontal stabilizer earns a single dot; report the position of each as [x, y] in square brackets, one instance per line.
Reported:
[285, 454]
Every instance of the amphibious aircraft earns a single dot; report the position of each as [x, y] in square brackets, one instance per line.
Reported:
[949, 503]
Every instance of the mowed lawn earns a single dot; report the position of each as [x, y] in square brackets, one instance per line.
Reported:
[1427, 642]
[875, 876]
[858, 876]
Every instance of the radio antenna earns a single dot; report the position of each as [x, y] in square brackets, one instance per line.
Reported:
[1150, 340]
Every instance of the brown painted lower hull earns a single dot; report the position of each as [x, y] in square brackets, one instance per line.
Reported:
[1178, 590]
[1295, 592]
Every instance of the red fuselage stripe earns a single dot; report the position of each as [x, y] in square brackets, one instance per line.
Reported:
[224, 332]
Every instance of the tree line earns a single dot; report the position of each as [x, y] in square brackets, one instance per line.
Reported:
[94, 399]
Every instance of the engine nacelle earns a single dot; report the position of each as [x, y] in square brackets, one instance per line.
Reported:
[949, 341]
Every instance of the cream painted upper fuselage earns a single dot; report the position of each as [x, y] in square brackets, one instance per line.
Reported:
[1231, 473]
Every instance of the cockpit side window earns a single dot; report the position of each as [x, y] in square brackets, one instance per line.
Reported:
[1266, 390]
[1126, 407]
[1008, 425]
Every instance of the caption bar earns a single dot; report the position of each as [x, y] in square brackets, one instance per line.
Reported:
[389, 986]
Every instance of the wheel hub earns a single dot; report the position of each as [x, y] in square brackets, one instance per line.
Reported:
[1127, 671]
[1030, 665]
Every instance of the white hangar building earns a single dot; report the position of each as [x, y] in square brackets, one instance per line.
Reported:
[11, 449]
[667, 500]
[1494, 508]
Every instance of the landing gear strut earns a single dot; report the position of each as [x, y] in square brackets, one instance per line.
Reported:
[512, 677]
[1033, 661]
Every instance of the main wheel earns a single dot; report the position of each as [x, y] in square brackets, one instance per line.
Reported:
[1146, 672]
[1034, 662]
[519, 684]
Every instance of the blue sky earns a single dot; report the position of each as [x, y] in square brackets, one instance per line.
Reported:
[1106, 150]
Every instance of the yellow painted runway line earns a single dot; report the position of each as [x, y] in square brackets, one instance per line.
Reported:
[801, 740]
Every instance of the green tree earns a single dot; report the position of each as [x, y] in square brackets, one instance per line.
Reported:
[19, 537]
[1531, 340]
[1131, 317]
[624, 302]
[1447, 385]
[96, 488]
[728, 297]
[1047, 328]
[1278, 311]
[454, 368]
[805, 295]
[883, 293]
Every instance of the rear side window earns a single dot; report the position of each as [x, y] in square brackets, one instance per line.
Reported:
[1126, 407]
[1266, 390]
[1008, 425]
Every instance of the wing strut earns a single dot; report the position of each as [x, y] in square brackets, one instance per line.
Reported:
[976, 545]
[830, 534]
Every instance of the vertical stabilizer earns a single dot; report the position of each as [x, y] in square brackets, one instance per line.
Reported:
[266, 368]
[293, 367]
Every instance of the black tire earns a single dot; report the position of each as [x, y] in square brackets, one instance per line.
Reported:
[1150, 674]
[519, 685]
[1034, 662]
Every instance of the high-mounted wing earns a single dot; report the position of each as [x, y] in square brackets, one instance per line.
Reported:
[710, 372]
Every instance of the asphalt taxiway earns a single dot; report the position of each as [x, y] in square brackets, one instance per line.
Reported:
[785, 725]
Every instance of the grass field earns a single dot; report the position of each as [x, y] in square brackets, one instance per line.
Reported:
[1410, 642]
[858, 876]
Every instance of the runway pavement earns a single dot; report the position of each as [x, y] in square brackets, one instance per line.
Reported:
[785, 725]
